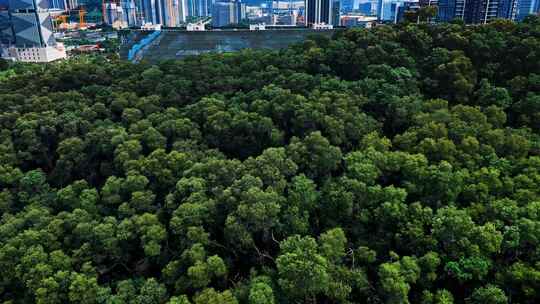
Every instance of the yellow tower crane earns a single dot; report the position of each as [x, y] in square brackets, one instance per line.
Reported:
[82, 13]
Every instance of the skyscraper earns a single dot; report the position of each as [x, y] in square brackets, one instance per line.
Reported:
[169, 13]
[130, 12]
[173, 12]
[6, 29]
[335, 13]
[348, 5]
[387, 10]
[149, 11]
[526, 7]
[72, 4]
[163, 11]
[507, 9]
[113, 14]
[58, 4]
[483, 11]
[321, 11]
[226, 13]
[32, 23]
[451, 9]
[198, 8]
[181, 8]
[221, 13]
[27, 32]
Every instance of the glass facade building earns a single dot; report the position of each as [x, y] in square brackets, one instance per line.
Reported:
[322, 11]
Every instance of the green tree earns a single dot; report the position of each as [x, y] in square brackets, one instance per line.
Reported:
[489, 294]
[302, 270]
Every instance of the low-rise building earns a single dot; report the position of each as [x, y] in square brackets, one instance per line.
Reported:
[352, 20]
[322, 26]
[195, 27]
[257, 27]
[151, 27]
[36, 54]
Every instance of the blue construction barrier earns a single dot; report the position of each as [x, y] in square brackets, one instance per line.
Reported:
[141, 44]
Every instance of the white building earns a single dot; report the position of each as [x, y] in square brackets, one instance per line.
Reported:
[322, 26]
[37, 54]
[195, 27]
[356, 20]
[151, 27]
[257, 27]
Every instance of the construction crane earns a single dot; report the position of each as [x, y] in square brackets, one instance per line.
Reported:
[63, 19]
[82, 13]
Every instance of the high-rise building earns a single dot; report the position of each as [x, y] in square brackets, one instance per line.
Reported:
[451, 9]
[181, 8]
[6, 30]
[321, 12]
[58, 4]
[365, 8]
[317, 11]
[27, 32]
[72, 4]
[226, 13]
[526, 7]
[507, 9]
[222, 13]
[348, 5]
[169, 13]
[32, 23]
[483, 11]
[113, 15]
[388, 10]
[335, 13]
[173, 12]
[130, 12]
[198, 8]
[150, 10]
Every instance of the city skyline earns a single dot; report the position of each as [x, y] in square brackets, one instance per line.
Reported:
[175, 13]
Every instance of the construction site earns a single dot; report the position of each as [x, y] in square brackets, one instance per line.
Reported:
[77, 15]
[153, 46]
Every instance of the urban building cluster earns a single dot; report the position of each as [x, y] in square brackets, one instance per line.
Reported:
[469, 11]
[174, 13]
[311, 13]
[482, 11]
[230, 12]
[27, 31]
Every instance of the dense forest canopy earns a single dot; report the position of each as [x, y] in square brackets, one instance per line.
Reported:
[393, 165]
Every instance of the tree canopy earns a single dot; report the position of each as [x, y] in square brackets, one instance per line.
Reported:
[399, 164]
